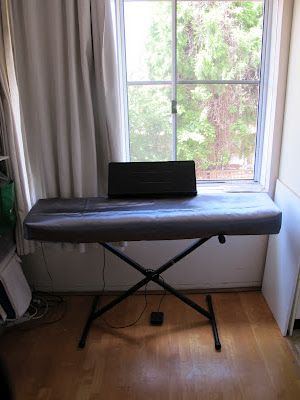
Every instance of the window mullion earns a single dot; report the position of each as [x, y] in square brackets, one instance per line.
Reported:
[121, 53]
[174, 77]
[264, 72]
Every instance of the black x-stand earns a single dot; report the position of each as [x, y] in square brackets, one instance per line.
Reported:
[153, 275]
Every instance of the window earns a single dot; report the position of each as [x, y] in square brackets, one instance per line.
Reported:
[194, 73]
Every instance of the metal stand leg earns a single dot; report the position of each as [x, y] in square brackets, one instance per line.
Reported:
[88, 323]
[154, 275]
[183, 298]
[213, 323]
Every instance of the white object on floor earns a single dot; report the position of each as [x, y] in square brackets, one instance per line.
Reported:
[16, 288]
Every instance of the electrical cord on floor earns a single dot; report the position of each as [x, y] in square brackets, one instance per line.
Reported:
[39, 308]
[50, 301]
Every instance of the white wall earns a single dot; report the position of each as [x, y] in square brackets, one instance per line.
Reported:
[289, 172]
[290, 165]
[238, 263]
[283, 258]
[297, 311]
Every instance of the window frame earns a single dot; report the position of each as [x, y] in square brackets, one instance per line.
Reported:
[262, 83]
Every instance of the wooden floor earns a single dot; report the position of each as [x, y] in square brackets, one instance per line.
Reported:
[176, 361]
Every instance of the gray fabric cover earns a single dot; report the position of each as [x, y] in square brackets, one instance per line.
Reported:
[98, 219]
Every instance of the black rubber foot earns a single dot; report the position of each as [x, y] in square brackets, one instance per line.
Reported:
[81, 344]
[218, 347]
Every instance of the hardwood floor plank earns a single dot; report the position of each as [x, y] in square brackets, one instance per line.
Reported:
[279, 362]
[175, 361]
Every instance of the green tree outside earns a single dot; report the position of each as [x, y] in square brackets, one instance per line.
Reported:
[216, 123]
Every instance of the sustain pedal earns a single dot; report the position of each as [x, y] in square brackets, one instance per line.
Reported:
[157, 318]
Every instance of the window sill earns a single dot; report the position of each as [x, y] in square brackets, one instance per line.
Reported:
[243, 186]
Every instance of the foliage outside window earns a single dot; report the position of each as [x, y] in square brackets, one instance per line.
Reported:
[205, 55]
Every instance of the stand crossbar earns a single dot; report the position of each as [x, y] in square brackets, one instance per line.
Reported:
[154, 276]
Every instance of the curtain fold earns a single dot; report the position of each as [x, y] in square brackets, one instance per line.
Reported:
[66, 72]
[13, 142]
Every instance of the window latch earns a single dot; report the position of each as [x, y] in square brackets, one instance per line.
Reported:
[174, 107]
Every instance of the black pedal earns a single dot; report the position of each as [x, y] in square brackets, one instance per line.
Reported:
[156, 318]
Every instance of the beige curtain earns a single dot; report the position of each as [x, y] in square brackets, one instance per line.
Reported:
[63, 50]
[66, 72]
[13, 142]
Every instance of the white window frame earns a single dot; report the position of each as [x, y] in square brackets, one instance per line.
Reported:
[254, 184]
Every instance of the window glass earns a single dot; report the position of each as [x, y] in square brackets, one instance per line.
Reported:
[216, 127]
[148, 39]
[150, 122]
[207, 63]
[219, 40]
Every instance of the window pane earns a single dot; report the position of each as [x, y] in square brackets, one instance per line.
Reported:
[219, 40]
[217, 128]
[150, 122]
[148, 33]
